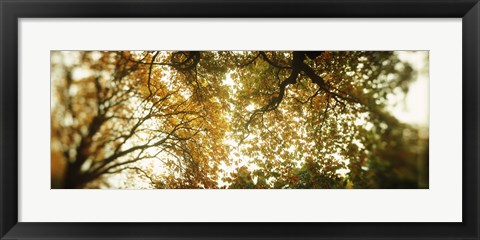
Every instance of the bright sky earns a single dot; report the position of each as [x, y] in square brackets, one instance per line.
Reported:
[415, 109]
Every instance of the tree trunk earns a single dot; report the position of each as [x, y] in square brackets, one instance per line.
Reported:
[73, 178]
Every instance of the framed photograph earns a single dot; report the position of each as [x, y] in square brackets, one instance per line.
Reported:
[239, 119]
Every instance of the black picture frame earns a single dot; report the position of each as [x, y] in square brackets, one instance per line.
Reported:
[12, 10]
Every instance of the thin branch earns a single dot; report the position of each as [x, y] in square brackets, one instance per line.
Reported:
[152, 181]
[325, 116]
[265, 57]
[150, 73]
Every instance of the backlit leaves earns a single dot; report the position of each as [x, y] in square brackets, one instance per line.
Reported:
[228, 119]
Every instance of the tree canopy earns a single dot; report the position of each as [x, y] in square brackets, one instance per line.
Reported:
[233, 119]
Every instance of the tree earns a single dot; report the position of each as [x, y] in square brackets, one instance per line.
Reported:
[250, 119]
[118, 116]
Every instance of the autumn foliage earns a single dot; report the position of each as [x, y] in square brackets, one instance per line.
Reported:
[226, 119]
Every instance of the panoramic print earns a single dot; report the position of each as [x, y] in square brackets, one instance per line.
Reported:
[239, 119]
